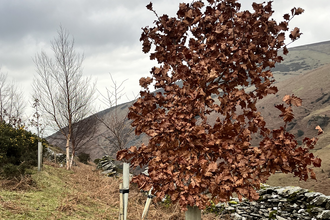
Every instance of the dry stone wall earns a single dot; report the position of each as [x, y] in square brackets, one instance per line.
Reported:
[281, 203]
[107, 166]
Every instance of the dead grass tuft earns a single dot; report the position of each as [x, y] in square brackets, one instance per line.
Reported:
[68, 204]
[105, 190]
[23, 183]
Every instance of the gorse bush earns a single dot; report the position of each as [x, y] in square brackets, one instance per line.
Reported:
[18, 150]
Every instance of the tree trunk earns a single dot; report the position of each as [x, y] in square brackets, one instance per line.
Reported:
[72, 155]
[67, 153]
[71, 162]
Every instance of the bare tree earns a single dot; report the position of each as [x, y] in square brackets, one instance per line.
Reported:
[37, 120]
[116, 122]
[12, 102]
[65, 96]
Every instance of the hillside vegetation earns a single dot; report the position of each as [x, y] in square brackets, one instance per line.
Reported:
[18, 149]
[56, 193]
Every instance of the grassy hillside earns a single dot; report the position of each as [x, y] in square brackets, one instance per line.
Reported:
[57, 194]
[82, 193]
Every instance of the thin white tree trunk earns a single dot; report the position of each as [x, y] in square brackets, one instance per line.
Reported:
[67, 153]
[71, 162]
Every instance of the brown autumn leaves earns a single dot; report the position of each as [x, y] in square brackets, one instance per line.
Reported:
[214, 49]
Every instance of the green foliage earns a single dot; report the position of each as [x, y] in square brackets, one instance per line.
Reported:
[167, 201]
[84, 158]
[18, 150]
[9, 170]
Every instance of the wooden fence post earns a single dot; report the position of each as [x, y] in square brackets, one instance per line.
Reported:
[193, 213]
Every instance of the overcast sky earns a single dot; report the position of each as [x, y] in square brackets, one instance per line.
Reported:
[108, 32]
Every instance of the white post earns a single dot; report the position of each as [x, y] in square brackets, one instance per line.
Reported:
[125, 187]
[146, 207]
[193, 213]
[39, 156]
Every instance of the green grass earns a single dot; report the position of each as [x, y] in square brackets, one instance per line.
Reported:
[38, 203]
[53, 198]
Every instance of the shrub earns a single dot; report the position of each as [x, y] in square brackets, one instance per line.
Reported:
[84, 158]
[10, 170]
[18, 150]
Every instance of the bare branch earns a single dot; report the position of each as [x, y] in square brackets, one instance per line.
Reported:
[12, 104]
[119, 131]
[65, 96]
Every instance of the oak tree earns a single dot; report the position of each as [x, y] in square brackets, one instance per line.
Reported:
[223, 57]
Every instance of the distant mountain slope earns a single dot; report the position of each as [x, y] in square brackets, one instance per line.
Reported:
[313, 88]
[302, 59]
[304, 72]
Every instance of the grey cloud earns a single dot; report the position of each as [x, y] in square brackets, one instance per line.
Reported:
[97, 22]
